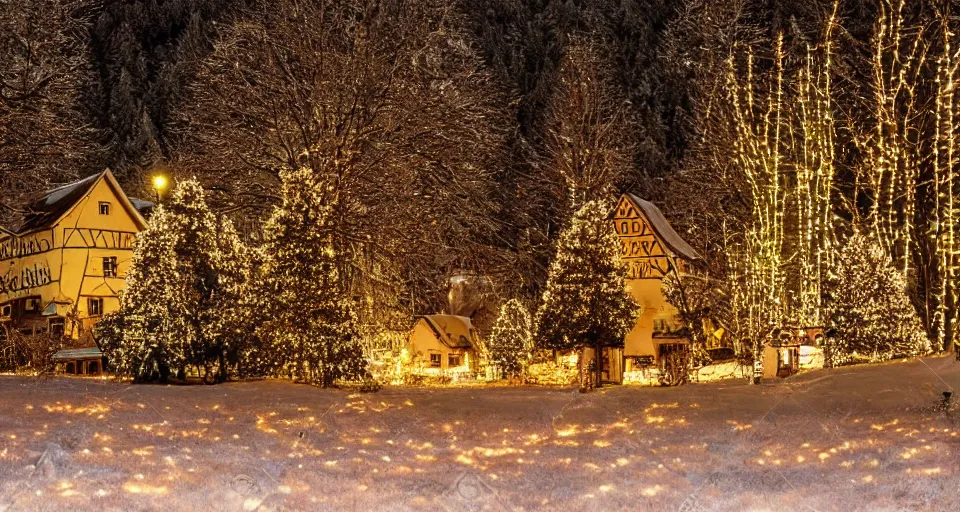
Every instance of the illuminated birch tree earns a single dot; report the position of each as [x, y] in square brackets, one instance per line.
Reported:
[891, 168]
[943, 223]
[759, 154]
[813, 197]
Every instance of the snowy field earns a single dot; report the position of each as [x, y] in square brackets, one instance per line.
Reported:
[856, 438]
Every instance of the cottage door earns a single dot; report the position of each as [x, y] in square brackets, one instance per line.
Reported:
[612, 360]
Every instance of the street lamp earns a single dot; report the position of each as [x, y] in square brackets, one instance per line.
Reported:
[159, 185]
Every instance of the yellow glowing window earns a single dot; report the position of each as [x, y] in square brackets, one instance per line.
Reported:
[95, 306]
[435, 360]
[110, 266]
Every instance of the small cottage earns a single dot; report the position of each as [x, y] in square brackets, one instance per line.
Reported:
[444, 343]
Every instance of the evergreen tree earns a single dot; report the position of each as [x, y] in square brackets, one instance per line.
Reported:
[309, 324]
[185, 301]
[869, 310]
[140, 340]
[230, 326]
[511, 341]
[192, 231]
[586, 303]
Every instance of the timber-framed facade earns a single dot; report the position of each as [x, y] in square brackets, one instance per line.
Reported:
[651, 250]
[64, 266]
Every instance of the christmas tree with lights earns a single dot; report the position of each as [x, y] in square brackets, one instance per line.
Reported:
[869, 311]
[308, 324]
[586, 302]
[511, 341]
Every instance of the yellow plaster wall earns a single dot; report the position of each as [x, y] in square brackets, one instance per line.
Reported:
[648, 294]
[423, 341]
[78, 244]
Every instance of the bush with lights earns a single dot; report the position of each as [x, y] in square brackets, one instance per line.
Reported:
[869, 312]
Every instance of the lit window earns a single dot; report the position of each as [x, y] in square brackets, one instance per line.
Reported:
[32, 304]
[435, 360]
[110, 266]
[660, 325]
[453, 360]
[104, 208]
[95, 306]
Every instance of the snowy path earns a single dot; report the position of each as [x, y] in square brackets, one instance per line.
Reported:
[863, 438]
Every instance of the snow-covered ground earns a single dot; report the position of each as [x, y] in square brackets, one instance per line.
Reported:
[855, 438]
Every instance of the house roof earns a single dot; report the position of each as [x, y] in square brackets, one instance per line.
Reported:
[452, 330]
[665, 231]
[78, 353]
[54, 204]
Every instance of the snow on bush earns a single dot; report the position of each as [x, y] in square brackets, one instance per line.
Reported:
[869, 310]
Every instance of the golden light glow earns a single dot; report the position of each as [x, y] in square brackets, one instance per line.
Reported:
[138, 488]
[652, 491]
[160, 182]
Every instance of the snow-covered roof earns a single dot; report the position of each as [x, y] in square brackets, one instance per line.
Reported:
[54, 204]
[78, 353]
[452, 330]
[665, 231]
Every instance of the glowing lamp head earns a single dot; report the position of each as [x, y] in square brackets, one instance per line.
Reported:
[160, 182]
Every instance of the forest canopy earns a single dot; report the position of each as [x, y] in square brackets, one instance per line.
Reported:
[458, 137]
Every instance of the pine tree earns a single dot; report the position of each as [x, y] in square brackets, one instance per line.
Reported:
[140, 340]
[511, 341]
[185, 300]
[192, 229]
[230, 328]
[869, 310]
[586, 303]
[309, 322]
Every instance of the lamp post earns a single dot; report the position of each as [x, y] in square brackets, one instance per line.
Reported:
[159, 185]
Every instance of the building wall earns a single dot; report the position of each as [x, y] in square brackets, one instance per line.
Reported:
[423, 342]
[64, 266]
[647, 261]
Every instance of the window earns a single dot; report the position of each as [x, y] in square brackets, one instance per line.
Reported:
[104, 208]
[453, 360]
[32, 304]
[660, 325]
[95, 306]
[5, 310]
[110, 266]
[56, 326]
[435, 360]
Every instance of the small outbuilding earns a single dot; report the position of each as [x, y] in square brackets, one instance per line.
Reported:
[444, 343]
[80, 361]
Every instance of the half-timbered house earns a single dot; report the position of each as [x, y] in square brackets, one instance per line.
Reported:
[651, 250]
[63, 267]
